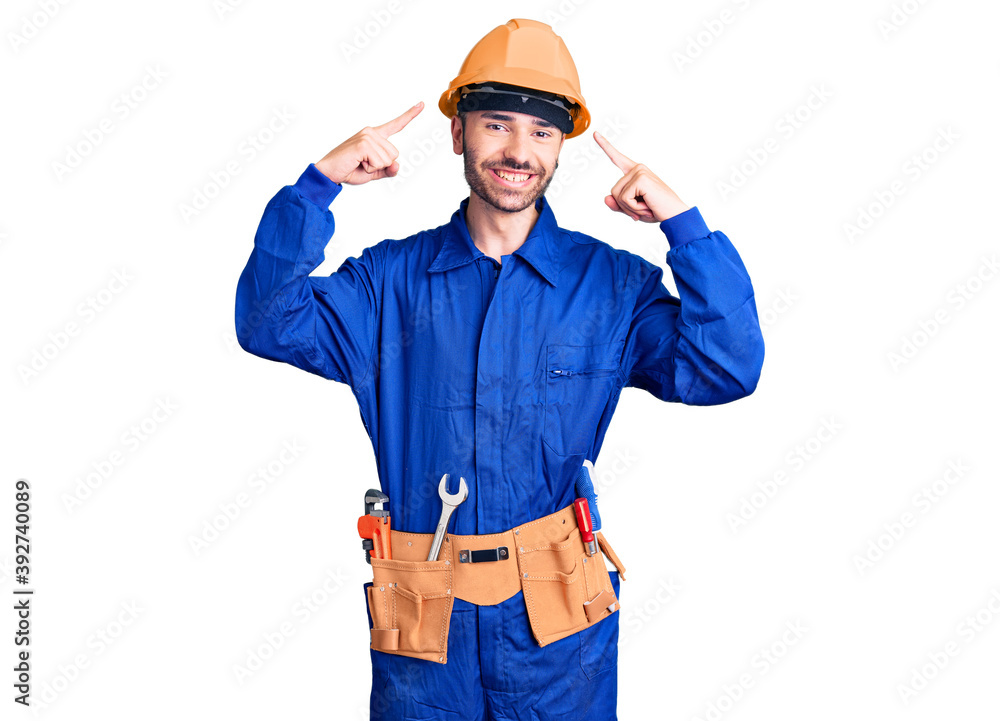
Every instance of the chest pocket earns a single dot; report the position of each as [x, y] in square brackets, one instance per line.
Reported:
[579, 381]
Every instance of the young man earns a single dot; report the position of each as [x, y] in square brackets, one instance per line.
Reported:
[494, 349]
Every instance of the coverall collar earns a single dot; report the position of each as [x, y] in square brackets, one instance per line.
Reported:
[540, 248]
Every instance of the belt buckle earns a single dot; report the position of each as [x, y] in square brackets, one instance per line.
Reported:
[486, 555]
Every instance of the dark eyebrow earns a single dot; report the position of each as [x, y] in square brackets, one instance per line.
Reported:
[510, 119]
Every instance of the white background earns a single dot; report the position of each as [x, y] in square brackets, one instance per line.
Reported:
[693, 90]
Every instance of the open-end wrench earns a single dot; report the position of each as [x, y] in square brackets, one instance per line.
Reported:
[449, 502]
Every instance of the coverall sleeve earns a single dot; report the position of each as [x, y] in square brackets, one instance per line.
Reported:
[705, 347]
[323, 324]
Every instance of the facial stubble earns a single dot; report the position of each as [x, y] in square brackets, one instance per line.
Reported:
[502, 198]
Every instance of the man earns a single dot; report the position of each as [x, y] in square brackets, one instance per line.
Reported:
[494, 348]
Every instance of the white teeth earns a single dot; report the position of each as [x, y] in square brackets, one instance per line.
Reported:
[513, 177]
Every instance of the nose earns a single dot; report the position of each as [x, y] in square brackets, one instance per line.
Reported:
[517, 149]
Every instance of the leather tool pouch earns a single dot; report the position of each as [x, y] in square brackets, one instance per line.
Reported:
[410, 604]
[565, 590]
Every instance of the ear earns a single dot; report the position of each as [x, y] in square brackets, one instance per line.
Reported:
[456, 135]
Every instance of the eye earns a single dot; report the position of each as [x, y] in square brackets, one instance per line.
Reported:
[494, 125]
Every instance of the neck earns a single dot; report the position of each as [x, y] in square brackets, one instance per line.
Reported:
[495, 232]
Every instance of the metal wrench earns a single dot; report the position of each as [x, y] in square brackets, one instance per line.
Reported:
[449, 502]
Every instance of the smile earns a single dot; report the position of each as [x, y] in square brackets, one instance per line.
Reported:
[511, 178]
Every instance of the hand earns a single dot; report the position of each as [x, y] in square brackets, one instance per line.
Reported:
[368, 155]
[639, 194]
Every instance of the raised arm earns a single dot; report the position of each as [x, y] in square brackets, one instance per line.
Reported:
[705, 347]
[325, 324]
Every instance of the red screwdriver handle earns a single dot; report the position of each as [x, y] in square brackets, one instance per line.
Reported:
[583, 521]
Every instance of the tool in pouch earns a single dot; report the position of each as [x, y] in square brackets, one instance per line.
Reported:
[374, 527]
[585, 524]
[585, 489]
[449, 502]
[565, 588]
[588, 519]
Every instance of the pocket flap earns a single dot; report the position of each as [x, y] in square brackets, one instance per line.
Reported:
[610, 553]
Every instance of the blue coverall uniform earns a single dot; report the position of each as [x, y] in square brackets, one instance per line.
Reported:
[506, 374]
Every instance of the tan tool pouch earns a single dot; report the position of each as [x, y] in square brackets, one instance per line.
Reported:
[410, 604]
[565, 590]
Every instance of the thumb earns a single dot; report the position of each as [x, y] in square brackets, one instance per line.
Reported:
[389, 171]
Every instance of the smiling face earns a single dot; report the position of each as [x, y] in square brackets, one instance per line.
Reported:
[510, 158]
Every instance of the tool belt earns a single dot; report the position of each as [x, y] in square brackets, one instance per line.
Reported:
[565, 590]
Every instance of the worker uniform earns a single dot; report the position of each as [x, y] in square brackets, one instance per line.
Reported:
[506, 374]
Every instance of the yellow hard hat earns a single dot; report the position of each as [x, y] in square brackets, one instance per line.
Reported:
[525, 54]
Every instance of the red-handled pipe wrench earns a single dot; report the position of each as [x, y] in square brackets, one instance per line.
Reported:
[374, 527]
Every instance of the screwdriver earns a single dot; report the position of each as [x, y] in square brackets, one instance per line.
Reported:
[584, 522]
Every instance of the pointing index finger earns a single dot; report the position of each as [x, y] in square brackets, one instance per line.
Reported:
[624, 164]
[397, 124]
